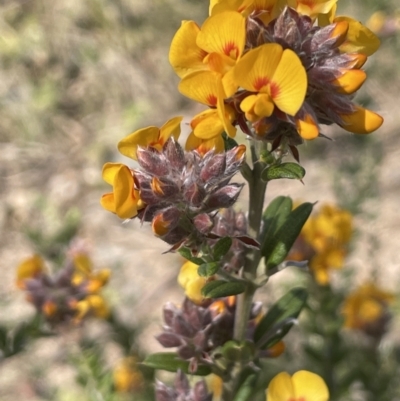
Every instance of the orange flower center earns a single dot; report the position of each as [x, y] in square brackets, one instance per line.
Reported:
[212, 100]
[231, 50]
[261, 82]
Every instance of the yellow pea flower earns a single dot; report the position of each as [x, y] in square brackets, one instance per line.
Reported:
[124, 201]
[302, 386]
[189, 279]
[204, 145]
[277, 77]
[150, 136]
[206, 87]
[216, 46]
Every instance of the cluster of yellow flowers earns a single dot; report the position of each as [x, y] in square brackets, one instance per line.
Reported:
[264, 63]
[366, 309]
[324, 240]
[72, 293]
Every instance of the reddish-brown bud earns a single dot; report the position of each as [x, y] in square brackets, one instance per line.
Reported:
[203, 223]
[224, 197]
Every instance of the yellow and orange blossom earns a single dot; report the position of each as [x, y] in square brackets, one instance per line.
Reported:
[150, 136]
[124, 201]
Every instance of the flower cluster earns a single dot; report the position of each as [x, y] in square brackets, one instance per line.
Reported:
[323, 241]
[71, 294]
[198, 330]
[277, 69]
[366, 309]
[177, 191]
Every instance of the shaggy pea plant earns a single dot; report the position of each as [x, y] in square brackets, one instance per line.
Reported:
[271, 74]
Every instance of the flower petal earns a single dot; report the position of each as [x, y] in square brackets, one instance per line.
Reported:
[280, 388]
[171, 128]
[223, 33]
[290, 79]
[359, 38]
[207, 125]
[350, 81]
[184, 54]
[204, 145]
[362, 121]
[202, 86]
[256, 68]
[309, 386]
[109, 172]
[142, 137]
[307, 127]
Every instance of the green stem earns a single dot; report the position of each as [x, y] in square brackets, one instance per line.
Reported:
[257, 190]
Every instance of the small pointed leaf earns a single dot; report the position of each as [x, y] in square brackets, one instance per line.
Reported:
[283, 240]
[286, 308]
[291, 171]
[222, 247]
[170, 362]
[187, 254]
[208, 269]
[221, 288]
[246, 390]
[273, 217]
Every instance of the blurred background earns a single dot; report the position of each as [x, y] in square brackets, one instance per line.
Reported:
[77, 76]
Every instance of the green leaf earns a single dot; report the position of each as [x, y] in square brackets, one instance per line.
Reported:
[222, 247]
[246, 390]
[273, 217]
[221, 288]
[283, 240]
[291, 171]
[187, 254]
[286, 308]
[229, 142]
[208, 269]
[170, 362]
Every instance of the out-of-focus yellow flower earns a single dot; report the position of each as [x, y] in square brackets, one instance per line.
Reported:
[302, 386]
[328, 234]
[125, 200]
[150, 136]
[192, 283]
[84, 274]
[366, 309]
[384, 25]
[127, 377]
[94, 305]
[214, 384]
[29, 268]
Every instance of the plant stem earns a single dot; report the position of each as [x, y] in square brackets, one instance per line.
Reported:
[257, 190]
[244, 301]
